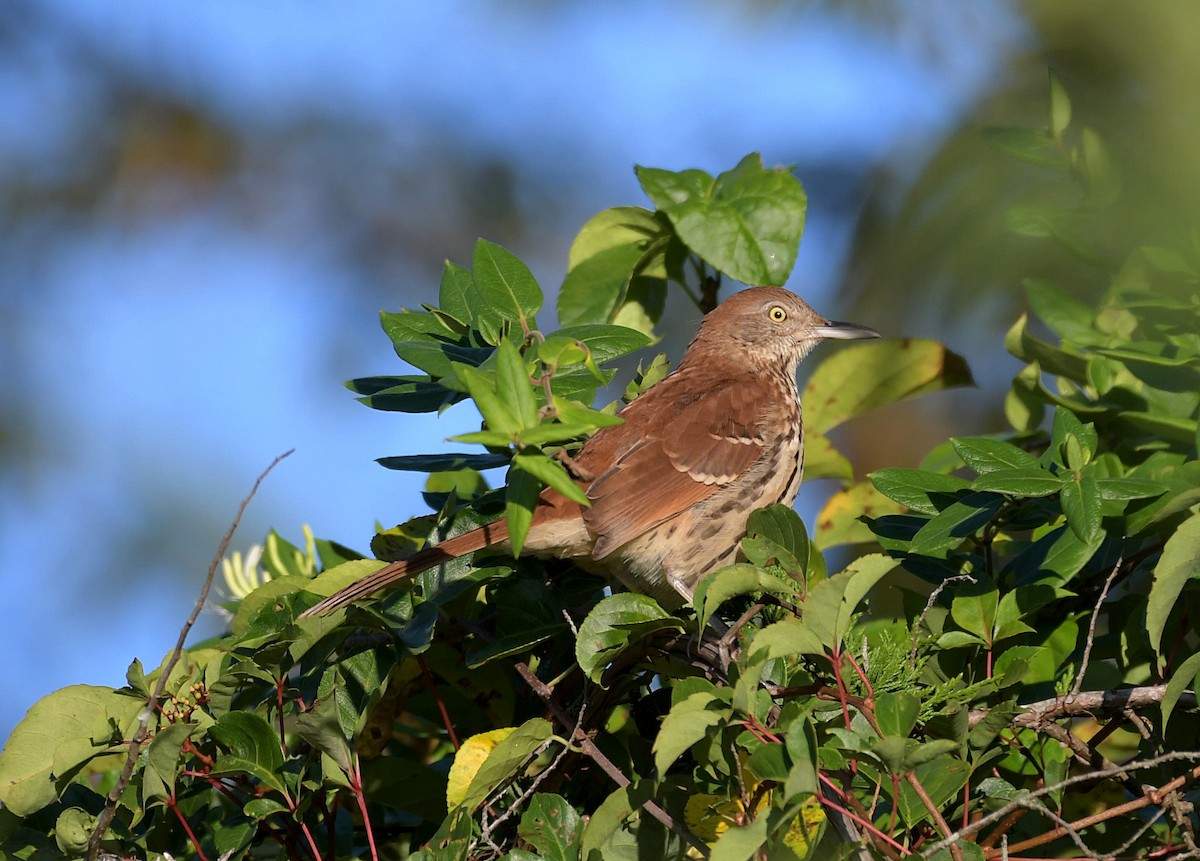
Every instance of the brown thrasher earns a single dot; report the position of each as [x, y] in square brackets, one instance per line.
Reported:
[672, 487]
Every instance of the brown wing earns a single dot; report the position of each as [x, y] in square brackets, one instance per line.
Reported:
[681, 441]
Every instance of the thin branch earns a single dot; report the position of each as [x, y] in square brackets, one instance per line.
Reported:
[1116, 771]
[143, 731]
[1091, 637]
[606, 764]
[1114, 702]
[912, 654]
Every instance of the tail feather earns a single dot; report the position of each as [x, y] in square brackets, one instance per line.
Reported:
[459, 545]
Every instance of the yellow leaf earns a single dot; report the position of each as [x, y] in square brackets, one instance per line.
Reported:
[468, 760]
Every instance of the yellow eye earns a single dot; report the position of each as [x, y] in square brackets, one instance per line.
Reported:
[777, 314]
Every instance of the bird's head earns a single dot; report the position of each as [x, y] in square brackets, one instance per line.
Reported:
[768, 327]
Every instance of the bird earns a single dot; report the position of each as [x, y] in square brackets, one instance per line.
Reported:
[672, 486]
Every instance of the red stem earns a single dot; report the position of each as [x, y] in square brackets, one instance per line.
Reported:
[356, 788]
[174, 805]
[437, 697]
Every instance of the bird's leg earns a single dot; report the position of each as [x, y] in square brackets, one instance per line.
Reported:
[577, 472]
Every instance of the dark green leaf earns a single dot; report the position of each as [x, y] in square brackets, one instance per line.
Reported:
[737, 579]
[926, 492]
[612, 624]
[956, 523]
[552, 826]
[520, 499]
[1031, 482]
[448, 462]
[984, 454]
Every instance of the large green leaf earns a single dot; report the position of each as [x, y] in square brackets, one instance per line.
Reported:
[59, 733]
[505, 284]
[861, 377]
[1180, 563]
[552, 826]
[615, 622]
[686, 724]
[746, 223]
[918, 489]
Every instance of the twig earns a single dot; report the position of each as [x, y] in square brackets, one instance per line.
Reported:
[912, 654]
[1073, 705]
[606, 764]
[143, 731]
[1117, 770]
[1091, 637]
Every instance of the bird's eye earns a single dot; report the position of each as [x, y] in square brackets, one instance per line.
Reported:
[777, 314]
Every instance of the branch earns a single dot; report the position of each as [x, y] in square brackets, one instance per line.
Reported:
[143, 731]
[1036, 715]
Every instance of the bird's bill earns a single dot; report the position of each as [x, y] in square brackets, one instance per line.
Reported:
[844, 331]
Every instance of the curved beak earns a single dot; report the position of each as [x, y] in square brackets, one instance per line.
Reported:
[843, 331]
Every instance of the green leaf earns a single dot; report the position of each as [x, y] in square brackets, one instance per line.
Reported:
[746, 223]
[737, 579]
[606, 342]
[550, 472]
[447, 462]
[1032, 482]
[59, 733]
[507, 760]
[505, 284]
[942, 779]
[830, 605]
[513, 384]
[896, 712]
[956, 523]
[163, 756]
[420, 339]
[1058, 555]
[789, 637]
[918, 489]
[248, 736]
[594, 288]
[1179, 563]
[520, 499]
[1081, 504]
[457, 295]
[1185, 677]
[974, 607]
[1035, 146]
[612, 624]
[741, 842]
[861, 377]
[687, 723]
[1069, 318]
[321, 726]
[403, 394]
[501, 415]
[552, 826]
[984, 454]
[1060, 106]
[776, 533]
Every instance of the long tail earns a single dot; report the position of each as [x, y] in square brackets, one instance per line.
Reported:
[459, 545]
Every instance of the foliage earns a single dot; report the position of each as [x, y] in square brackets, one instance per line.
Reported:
[928, 697]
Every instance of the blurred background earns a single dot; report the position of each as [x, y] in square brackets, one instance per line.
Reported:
[203, 207]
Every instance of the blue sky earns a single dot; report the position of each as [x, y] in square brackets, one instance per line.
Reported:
[170, 342]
